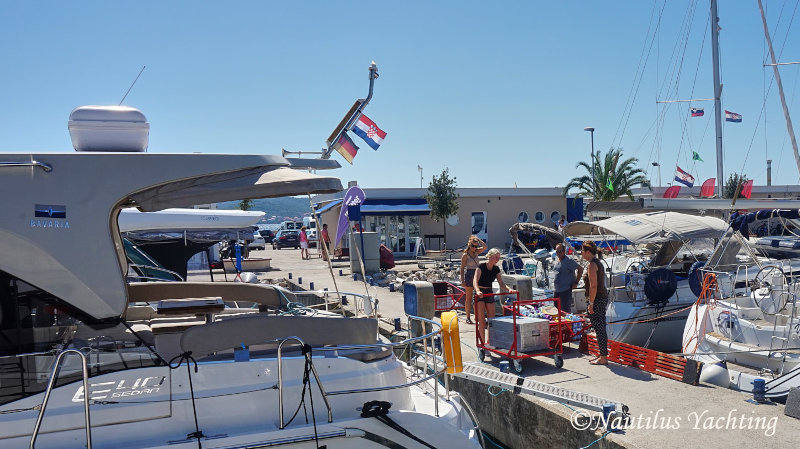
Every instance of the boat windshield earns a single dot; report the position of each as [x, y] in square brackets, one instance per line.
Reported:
[35, 326]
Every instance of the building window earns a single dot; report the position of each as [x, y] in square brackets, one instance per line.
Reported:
[522, 217]
[539, 217]
[555, 216]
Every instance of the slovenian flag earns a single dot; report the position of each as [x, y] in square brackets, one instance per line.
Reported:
[683, 177]
[733, 117]
[697, 112]
[345, 146]
[369, 131]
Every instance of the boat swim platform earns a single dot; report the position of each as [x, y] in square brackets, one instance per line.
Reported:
[664, 412]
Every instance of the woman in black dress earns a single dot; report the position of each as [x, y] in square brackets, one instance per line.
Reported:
[597, 295]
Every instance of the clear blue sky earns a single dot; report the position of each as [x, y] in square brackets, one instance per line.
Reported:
[499, 93]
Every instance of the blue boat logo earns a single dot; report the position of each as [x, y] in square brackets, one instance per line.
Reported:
[50, 211]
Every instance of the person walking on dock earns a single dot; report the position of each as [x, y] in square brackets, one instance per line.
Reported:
[485, 275]
[567, 274]
[303, 244]
[326, 241]
[597, 295]
[469, 263]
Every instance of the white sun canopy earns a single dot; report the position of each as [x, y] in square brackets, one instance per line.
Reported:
[653, 227]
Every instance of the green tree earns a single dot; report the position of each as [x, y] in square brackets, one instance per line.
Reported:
[245, 204]
[733, 187]
[442, 198]
[613, 177]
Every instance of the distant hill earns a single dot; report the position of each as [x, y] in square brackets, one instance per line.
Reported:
[284, 208]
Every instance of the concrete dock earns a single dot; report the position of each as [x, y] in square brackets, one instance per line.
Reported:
[665, 412]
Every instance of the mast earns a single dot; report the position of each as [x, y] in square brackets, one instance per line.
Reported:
[777, 73]
[717, 94]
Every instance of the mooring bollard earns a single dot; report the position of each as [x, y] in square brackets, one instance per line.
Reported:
[344, 300]
[311, 285]
[397, 324]
[608, 409]
[299, 280]
[290, 275]
[759, 390]
[391, 287]
[341, 273]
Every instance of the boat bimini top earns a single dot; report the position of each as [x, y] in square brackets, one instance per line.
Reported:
[655, 227]
[59, 232]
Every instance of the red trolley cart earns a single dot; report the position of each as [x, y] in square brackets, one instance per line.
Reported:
[558, 329]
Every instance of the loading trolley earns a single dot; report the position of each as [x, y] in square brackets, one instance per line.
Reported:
[448, 296]
[550, 335]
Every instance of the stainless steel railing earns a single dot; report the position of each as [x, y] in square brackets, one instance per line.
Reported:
[426, 339]
[53, 377]
[44, 166]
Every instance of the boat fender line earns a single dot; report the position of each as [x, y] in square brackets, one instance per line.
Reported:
[380, 411]
[187, 357]
[306, 351]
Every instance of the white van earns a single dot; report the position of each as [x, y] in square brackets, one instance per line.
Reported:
[309, 222]
[290, 225]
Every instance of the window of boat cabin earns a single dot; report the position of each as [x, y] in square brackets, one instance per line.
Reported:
[34, 327]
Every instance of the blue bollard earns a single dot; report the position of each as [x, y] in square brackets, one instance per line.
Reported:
[355, 276]
[608, 409]
[344, 300]
[311, 285]
[341, 273]
[290, 275]
[397, 324]
[299, 280]
[391, 287]
[759, 390]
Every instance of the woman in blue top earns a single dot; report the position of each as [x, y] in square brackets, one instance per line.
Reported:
[485, 275]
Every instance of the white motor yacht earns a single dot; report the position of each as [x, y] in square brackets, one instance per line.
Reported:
[181, 377]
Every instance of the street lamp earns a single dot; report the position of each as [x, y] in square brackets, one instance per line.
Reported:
[591, 164]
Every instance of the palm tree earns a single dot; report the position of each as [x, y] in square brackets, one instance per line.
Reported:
[613, 177]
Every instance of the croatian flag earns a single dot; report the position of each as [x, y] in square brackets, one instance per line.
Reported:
[697, 112]
[683, 177]
[369, 131]
[733, 117]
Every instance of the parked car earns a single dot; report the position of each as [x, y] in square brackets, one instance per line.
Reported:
[258, 242]
[286, 238]
[268, 235]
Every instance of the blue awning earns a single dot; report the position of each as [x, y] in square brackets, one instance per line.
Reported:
[394, 206]
[400, 206]
[328, 206]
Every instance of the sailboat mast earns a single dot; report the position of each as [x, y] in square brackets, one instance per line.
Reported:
[789, 126]
[717, 94]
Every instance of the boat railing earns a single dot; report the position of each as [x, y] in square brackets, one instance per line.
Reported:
[427, 341]
[51, 383]
[364, 305]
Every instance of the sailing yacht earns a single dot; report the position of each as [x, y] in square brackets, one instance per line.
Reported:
[650, 286]
[180, 377]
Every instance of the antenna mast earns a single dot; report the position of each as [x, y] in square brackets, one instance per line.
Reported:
[131, 87]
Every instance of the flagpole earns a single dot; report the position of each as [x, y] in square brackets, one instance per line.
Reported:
[717, 94]
[373, 74]
[789, 126]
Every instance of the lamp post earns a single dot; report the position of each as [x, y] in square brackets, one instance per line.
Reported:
[591, 164]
